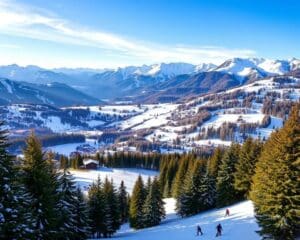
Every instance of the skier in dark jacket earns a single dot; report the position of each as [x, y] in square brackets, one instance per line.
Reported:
[199, 230]
[219, 230]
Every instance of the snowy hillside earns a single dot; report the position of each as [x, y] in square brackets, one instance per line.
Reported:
[241, 224]
[85, 178]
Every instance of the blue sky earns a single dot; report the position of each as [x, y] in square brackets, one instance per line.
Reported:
[112, 33]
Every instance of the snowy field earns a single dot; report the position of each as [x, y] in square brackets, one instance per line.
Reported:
[84, 178]
[241, 224]
[66, 149]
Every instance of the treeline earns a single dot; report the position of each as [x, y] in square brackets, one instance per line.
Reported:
[18, 144]
[268, 174]
[39, 202]
[116, 160]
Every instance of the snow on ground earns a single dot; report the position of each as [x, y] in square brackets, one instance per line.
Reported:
[84, 178]
[213, 142]
[241, 224]
[266, 132]
[66, 149]
[155, 115]
[120, 110]
[217, 120]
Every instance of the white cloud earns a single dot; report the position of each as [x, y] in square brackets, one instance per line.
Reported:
[27, 21]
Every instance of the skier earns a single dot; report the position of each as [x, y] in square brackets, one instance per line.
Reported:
[219, 230]
[227, 212]
[199, 230]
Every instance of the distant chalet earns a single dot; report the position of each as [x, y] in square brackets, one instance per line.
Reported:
[90, 164]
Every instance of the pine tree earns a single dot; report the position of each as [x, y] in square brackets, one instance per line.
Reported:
[81, 230]
[276, 183]
[180, 176]
[214, 162]
[153, 208]
[96, 204]
[190, 201]
[67, 205]
[15, 217]
[112, 216]
[123, 201]
[63, 162]
[136, 204]
[245, 167]
[226, 193]
[41, 183]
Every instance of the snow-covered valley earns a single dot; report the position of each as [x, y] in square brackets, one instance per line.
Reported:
[253, 110]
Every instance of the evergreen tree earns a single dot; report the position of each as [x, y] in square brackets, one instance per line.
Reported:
[245, 167]
[153, 208]
[15, 217]
[190, 201]
[226, 193]
[42, 185]
[180, 176]
[96, 205]
[81, 230]
[68, 207]
[136, 204]
[276, 183]
[112, 217]
[123, 201]
[64, 163]
[214, 162]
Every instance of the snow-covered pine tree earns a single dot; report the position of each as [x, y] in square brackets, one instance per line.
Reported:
[66, 204]
[123, 201]
[136, 204]
[153, 208]
[82, 222]
[276, 184]
[96, 204]
[16, 220]
[41, 183]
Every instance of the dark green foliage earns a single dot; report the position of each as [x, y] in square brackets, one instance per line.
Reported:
[226, 193]
[96, 205]
[72, 210]
[199, 191]
[16, 219]
[123, 202]
[245, 167]
[42, 185]
[276, 183]
[112, 216]
[81, 222]
[180, 176]
[136, 204]
[104, 209]
[153, 209]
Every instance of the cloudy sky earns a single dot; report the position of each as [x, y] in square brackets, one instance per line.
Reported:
[113, 33]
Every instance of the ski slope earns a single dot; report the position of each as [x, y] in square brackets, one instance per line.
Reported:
[241, 224]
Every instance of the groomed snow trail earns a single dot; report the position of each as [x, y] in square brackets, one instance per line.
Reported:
[241, 224]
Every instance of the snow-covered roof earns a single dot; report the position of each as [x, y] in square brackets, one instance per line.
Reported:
[88, 161]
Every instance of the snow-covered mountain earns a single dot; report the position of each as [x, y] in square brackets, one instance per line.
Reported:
[134, 81]
[56, 94]
[258, 67]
